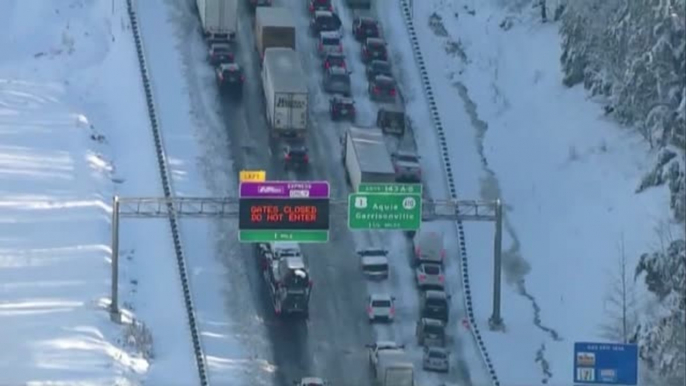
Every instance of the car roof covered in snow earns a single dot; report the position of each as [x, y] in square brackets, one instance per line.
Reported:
[284, 245]
[374, 260]
[379, 296]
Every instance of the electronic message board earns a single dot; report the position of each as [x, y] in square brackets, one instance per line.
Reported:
[280, 214]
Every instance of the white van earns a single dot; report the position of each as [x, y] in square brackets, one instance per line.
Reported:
[374, 263]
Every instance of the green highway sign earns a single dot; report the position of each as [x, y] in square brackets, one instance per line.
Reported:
[384, 211]
[390, 188]
[301, 236]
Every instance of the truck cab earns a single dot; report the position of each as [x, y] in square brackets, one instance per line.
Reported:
[290, 285]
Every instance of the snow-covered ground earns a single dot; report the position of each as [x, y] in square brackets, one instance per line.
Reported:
[74, 132]
[566, 175]
[235, 347]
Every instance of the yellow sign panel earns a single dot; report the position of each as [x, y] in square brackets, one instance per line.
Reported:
[253, 176]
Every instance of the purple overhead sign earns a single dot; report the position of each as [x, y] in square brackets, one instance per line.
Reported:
[285, 189]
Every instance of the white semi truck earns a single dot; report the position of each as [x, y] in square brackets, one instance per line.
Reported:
[219, 19]
[274, 27]
[285, 93]
[366, 158]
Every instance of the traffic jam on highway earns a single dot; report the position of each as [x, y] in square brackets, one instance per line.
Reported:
[277, 216]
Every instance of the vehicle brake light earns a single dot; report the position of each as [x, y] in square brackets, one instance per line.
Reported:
[306, 158]
[376, 90]
[288, 157]
[441, 278]
[339, 48]
[417, 251]
[327, 65]
[392, 92]
[311, 7]
[369, 310]
[310, 283]
[422, 277]
[392, 311]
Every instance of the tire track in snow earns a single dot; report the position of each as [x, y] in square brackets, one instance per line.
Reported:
[515, 266]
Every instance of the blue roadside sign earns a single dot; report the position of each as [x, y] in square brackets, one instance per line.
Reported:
[605, 364]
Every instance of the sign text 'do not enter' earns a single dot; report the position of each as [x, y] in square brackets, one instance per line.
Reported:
[279, 214]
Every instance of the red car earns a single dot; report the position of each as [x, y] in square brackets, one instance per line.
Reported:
[334, 59]
[319, 5]
[365, 27]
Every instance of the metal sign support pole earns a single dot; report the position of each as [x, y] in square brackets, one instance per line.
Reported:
[114, 306]
[222, 207]
[496, 321]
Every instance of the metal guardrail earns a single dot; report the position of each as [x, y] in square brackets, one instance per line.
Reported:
[168, 192]
[406, 8]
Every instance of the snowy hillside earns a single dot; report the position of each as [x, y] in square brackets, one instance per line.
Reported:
[568, 174]
[74, 131]
[631, 56]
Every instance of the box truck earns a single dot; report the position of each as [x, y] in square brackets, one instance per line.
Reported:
[219, 19]
[274, 27]
[285, 93]
[393, 368]
[365, 157]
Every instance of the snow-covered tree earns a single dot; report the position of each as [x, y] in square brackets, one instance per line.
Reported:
[632, 53]
[621, 305]
[662, 336]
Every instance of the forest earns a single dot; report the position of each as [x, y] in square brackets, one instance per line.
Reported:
[630, 55]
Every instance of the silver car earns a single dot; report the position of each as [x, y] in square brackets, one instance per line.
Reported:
[337, 81]
[436, 359]
[374, 263]
[431, 332]
[380, 307]
[407, 167]
[329, 43]
[429, 276]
